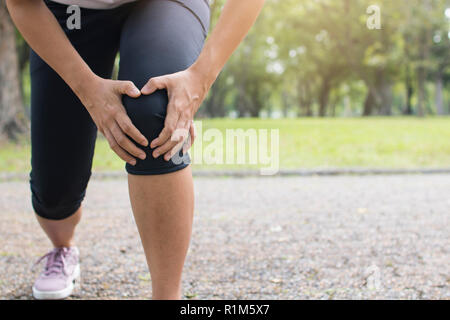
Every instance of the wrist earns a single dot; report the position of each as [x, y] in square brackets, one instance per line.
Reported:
[206, 71]
[84, 83]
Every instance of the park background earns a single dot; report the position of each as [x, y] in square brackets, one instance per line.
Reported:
[341, 94]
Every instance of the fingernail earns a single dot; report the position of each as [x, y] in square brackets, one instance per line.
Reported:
[142, 156]
[133, 162]
[136, 91]
[155, 155]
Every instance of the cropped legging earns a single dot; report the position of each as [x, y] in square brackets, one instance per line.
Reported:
[153, 38]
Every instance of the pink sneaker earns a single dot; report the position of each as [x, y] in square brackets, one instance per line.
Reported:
[60, 274]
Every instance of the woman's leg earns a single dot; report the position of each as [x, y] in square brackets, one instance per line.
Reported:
[63, 140]
[161, 37]
[163, 209]
[61, 232]
[62, 132]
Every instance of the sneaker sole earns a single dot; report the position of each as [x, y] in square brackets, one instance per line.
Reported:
[60, 294]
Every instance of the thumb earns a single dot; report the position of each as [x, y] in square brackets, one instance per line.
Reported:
[128, 88]
[154, 84]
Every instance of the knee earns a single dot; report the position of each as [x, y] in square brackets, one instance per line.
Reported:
[148, 112]
[55, 201]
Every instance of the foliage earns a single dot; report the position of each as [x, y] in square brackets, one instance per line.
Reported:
[311, 56]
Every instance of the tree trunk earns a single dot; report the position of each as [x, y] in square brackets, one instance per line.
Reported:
[422, 70]
[256, 104]
[308, 110]
[409, 93]
[215, 104]
[439, 94]
[386, 98]
[369, 103]
[379, 96]
[13, 120]
[421, 92]
[286, 103]
[304, 96]
[323, 98]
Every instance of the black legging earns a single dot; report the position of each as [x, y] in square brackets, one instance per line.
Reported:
[153, 37]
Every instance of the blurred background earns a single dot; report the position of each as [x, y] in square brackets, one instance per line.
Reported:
[341, 94]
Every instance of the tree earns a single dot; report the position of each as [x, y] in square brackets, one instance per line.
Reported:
[13, 120]
[440, 55]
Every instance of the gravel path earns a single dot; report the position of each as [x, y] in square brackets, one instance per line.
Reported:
[260, 238]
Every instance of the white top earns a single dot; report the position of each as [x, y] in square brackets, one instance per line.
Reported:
[95, 4]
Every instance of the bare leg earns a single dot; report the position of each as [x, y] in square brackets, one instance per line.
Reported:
[163, 208]
[61, 232]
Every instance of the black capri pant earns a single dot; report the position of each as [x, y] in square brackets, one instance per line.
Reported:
[153, 37]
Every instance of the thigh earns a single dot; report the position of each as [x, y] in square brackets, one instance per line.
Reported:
[159, 37]
[62, 132]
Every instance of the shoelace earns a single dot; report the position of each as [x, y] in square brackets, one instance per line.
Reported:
[55, 261]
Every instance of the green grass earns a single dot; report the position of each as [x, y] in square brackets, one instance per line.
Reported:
[310, 143]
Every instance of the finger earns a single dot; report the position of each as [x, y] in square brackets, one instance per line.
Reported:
[190, 140]
[125, 143]
[178, 138]
[169, 127]
[174, 150]
[154, 84]
[128, 88]
[128, 127]
[117, 149]
[175, 138]
[168, 145]
[187, 145]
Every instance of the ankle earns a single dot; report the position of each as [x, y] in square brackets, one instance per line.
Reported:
[63, 244]
[166, 294]
[166, 297]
